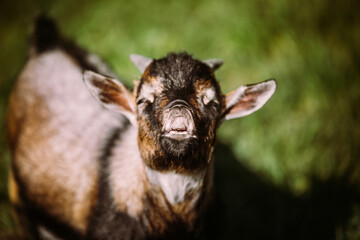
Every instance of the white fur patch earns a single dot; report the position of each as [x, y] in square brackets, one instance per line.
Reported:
[58, 155]
[147, 92]
[209, 95]
[175, 185]
[127, 175]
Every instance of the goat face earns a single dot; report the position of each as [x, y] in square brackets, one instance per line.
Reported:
[179, 105]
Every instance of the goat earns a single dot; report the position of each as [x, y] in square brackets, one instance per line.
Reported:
[139, 165]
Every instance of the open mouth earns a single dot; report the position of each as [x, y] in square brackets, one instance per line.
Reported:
[178, 123]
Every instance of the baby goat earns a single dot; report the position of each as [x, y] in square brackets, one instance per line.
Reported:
[136, 166]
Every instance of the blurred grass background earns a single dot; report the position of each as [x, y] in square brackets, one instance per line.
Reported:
[308, 133]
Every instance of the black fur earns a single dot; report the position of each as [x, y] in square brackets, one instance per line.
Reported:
[180, 72]
[46, 35]
[182, 154]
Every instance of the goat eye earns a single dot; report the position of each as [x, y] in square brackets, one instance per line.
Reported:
[207, 101]
[213, 103]
[141, 101]
[209, 95]
[142, 104]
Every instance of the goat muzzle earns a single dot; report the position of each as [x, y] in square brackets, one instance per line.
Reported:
[178, 122]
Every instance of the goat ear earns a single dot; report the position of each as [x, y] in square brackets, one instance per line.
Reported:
[213, 63]
[249, 98]
[140, 62]
[111, 93]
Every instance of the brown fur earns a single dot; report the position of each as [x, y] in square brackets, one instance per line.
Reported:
[29, 132]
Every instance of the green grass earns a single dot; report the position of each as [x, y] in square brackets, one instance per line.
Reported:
[310, 128]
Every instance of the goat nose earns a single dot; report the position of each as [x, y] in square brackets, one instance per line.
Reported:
[179, 123]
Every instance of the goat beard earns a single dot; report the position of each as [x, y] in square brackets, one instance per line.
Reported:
[180, 156]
